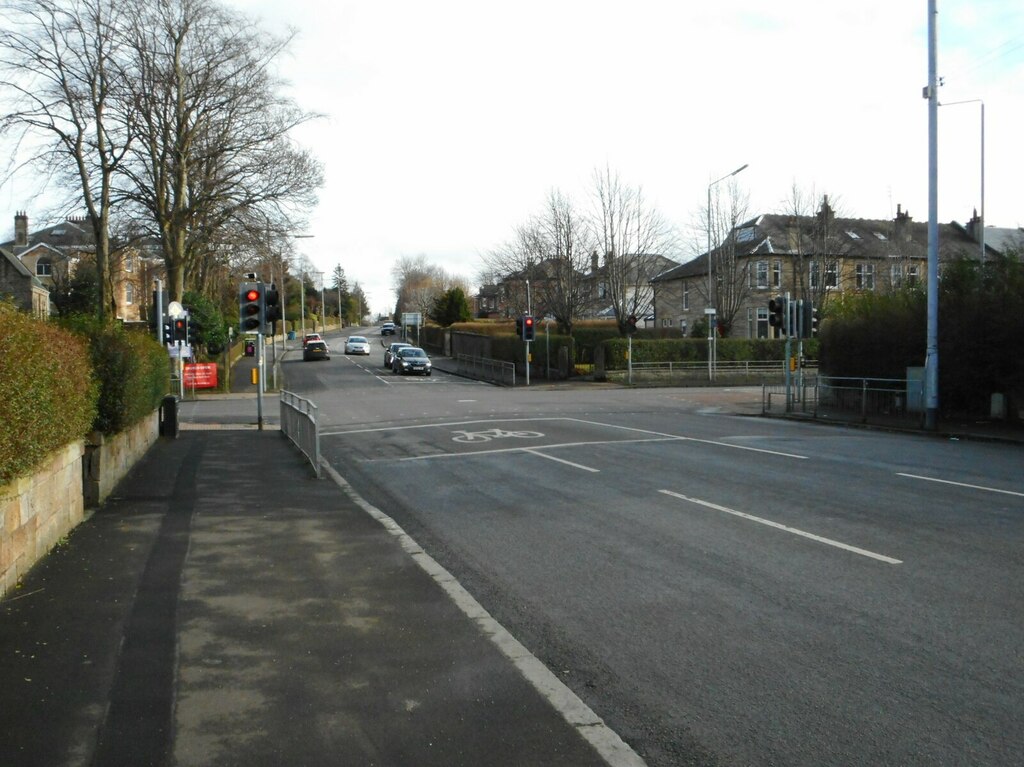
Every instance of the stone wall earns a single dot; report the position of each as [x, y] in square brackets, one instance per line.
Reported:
[38, 510]
[109, 458]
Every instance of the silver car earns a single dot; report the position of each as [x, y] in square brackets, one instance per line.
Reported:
[357, 345]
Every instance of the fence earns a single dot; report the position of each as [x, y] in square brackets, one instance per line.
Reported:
[486, 369]
[735, 371]
[864, 400]
[299, 423]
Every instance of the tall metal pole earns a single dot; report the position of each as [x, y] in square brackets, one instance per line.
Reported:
[931, 365]
[529, 312]
[713, 314]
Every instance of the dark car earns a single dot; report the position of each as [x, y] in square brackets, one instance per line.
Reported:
[316, 350]
[389, 353]
[411, 359]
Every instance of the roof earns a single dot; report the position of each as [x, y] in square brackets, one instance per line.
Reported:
[855, 238]
[71, 235]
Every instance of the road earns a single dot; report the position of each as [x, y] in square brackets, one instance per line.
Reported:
[720, 589]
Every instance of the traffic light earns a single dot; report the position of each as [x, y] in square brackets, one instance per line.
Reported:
[272, 304]
[778, 314]
[631, 324]
[251, 307]
[810, 321]
[181, 329]
[167, 331]
[519, 327]
[528, 328]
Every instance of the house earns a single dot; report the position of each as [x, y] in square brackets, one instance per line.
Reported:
[18, 283]
[53, 254]
[808, 257]
[629, 285]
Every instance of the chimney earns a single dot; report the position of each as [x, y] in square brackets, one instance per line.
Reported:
[974, 226]
[902, 224]
[593, 261]
[793, 234]
[21, 230]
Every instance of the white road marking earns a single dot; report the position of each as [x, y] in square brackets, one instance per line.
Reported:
[561, 460]
[615, 751]
[525, 449]
[692, 439]
[786, 528]
[961, 484]
[438, 425]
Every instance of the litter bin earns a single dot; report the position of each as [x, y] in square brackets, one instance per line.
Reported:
[250, 348]
[169, 417]
[291, 335]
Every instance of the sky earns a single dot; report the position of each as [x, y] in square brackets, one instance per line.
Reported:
[448, 122]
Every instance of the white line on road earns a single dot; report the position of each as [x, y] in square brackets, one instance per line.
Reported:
[560, 460]
[528, 449]
[787, 528]
[615, 751]
[961, 484]
[691, 439]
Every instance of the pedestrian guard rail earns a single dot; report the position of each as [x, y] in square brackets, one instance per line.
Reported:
[864, 400]
[486, 369]
[669, 372]
[299, 423]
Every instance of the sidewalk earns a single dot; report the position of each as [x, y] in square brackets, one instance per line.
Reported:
[226, 608]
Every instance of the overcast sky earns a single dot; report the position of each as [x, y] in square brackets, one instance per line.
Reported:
[449, 121]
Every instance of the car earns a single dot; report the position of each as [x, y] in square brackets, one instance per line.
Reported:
[310, 337]
[389, 353]
[411, 359]
[316, 350]
[387, 329]
[357, 345]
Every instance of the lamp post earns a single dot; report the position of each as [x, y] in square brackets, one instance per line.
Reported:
[711, 311]
[981, 222]
[323, 313]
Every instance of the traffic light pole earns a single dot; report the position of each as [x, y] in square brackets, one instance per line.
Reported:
[259, 383]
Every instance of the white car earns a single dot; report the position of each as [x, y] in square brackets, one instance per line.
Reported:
[357, 345]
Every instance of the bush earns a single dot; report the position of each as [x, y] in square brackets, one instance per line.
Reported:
[47, 390]
[132, 368]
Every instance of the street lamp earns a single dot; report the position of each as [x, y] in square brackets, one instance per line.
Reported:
[981, 222]
[711, 311]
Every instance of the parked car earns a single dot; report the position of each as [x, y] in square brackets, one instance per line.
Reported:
[357, 345]
[316, 350]
[411, 359]
[389, 353]
[387, 329]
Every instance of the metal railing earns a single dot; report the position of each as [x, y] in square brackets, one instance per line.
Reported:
[693, 371]
[864, 400]
[299, 423]
[486, 369]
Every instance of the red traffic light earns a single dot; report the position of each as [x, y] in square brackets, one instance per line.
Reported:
[252, 295]
[529, 322]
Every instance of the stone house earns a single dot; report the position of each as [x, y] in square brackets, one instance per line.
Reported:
[52, 254]
[808, 257]
[18, 283]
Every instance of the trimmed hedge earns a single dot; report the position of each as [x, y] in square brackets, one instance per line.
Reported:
[696, 350]
[48, 394]
[132, 368]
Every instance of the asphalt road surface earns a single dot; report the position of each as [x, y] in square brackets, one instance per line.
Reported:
[719, 589]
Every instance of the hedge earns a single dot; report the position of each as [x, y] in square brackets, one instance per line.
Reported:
[48, 394]
[133, 370]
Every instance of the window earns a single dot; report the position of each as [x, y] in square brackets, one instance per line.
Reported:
[881, 236]
[746, 234]
[129, 293]
[777, 274]
[666, 322]
[852, 234]
[686, 297]
[812, 274]
[762, 274]
[762, 322]
[865, 276]
[912, 275]
[832, 275]
[129, 264]
[896, 275]
[43, 267]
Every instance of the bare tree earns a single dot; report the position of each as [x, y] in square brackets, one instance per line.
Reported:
[634, 240]
[817, 245]
[60, 61]
[726, 267]
[213, 150]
